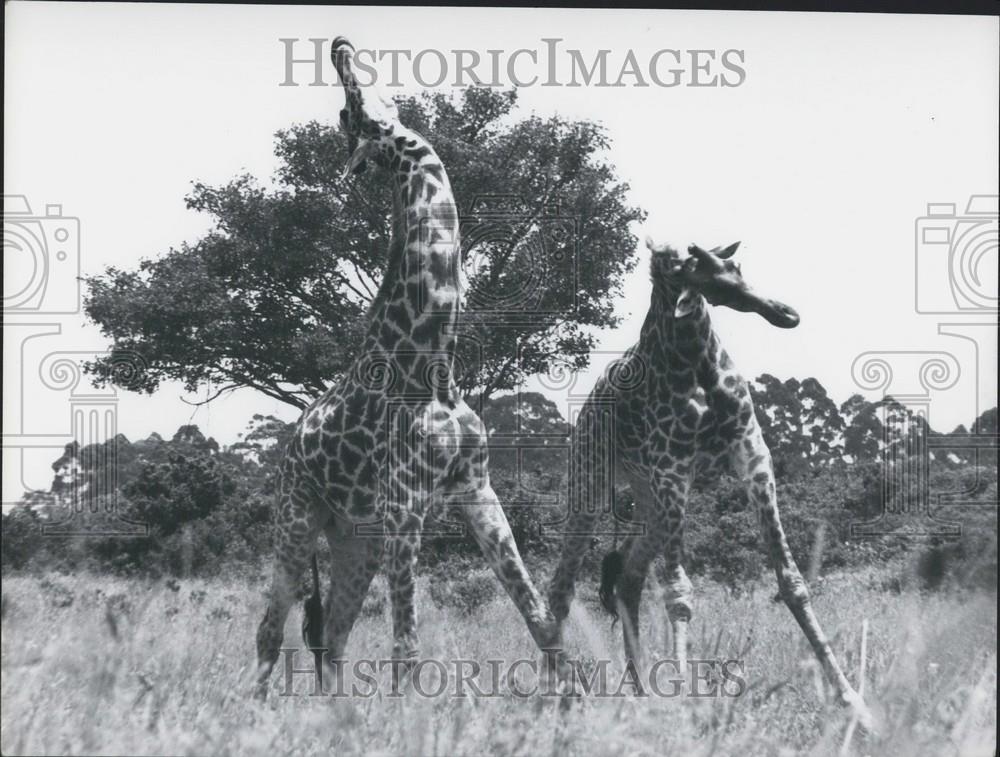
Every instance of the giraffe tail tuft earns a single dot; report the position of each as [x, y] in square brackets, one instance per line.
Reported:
[312, 620]
[612, 567]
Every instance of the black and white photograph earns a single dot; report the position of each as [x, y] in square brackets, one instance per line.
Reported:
[427, 380]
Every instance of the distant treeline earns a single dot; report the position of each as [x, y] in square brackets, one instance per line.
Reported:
[208, 508]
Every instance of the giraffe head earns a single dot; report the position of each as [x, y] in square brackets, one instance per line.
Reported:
[713, 275]
[367, 117]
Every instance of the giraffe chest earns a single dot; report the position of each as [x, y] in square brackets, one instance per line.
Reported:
[659, 416]
[663, 425]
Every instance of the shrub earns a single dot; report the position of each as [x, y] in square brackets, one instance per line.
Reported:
[968, 562]
[58, 594]
[376, 600]
[466, 593]
[22, 537]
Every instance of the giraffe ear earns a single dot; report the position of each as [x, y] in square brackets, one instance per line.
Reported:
[654, 247]
[729, 251]
[686, 303]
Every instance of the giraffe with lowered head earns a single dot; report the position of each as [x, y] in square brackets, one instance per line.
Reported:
[678, 406]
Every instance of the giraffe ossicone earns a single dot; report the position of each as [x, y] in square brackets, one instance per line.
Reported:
[393, 439]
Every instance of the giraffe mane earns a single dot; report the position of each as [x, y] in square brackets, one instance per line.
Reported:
[397, 247]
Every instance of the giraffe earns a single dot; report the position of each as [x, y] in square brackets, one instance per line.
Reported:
[370, 458]
[677, 406]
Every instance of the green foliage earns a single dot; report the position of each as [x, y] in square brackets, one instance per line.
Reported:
[210, 508]
[164, 681]
[204, 508]
[22, 537]
[723, 538]
[528, 465]
[970, 560]
[467, 593]
[721, 534]
[274, 296]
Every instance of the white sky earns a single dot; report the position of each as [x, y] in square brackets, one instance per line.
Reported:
[821, 162]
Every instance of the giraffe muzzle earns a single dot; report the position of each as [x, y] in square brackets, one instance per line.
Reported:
[776, 313]
[342, 54]
[746, 300]
[366, 115]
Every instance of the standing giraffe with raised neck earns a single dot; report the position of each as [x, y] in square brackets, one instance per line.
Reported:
[682, 409]
[370, 459]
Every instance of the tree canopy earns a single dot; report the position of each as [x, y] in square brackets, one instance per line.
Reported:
[274, 296]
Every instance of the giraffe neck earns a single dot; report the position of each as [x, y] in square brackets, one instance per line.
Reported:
[415, 312]
[688, 348]
[664, 336]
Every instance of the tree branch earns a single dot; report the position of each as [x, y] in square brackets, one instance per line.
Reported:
[227, 388]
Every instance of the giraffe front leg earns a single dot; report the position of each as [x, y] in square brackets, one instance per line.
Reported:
[628, 591]
[589, 489]
[678, 592]
[638, 556]
[402, 549]
[661, 503]
[575, 543]
[752, 461]
[678, 599]
[562, 587]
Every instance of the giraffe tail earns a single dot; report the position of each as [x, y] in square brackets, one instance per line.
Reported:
[312, 621]
[612, 567]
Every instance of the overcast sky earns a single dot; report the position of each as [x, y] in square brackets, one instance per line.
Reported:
[841, 130]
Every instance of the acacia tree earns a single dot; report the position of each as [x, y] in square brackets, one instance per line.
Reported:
[274, 297]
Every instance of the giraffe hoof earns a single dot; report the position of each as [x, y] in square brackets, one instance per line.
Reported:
[260, 692]
[569, 699]
[860, 712]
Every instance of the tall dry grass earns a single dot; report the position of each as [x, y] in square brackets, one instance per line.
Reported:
[98, 665]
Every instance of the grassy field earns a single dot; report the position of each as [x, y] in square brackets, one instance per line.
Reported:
[98, 665]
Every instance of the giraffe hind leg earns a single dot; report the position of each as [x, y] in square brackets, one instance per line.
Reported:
[354, 561]
[295, 532]
[402, 551]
